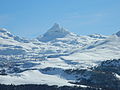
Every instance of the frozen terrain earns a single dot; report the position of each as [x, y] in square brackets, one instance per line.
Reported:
[48, 58]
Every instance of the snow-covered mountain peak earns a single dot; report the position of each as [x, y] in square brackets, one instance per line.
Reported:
[56, 26]
[55, 32]
[5, 34]
[3, 30]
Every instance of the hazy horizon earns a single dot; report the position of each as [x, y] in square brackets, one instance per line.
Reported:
[29, 18]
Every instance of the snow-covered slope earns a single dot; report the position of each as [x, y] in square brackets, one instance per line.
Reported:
[55, 32]
[4, 34]
[60, 40]
[52, 55]
[96, 52]
[13, 45]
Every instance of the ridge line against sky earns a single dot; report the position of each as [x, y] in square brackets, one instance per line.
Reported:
[31, 18]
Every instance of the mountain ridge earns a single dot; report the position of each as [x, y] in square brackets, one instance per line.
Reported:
[56, 31]
[65, 58]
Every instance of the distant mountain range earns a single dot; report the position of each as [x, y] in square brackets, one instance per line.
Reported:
[57, 57]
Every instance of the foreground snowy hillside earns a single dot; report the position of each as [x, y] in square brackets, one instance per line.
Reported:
[58, 57]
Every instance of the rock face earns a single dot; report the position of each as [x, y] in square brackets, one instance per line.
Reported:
[118, 33]
[55, 32]
[105, 76]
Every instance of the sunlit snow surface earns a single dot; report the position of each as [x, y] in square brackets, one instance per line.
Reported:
[33, 77]
[55, 53]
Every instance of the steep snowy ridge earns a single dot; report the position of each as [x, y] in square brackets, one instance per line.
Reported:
[5, 34]
[13, 45]
[55, 32]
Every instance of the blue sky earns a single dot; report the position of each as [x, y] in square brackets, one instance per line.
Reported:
[30, 18]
